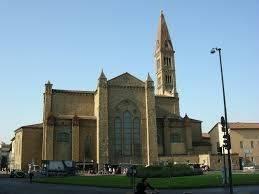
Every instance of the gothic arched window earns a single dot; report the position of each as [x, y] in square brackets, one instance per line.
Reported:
[117, 126]
[127, 133]
[62, 137]
[136, 136]
[176, 137]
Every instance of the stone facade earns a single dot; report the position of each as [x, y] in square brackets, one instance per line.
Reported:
[124, 120]
[27, 146]
[244, 140]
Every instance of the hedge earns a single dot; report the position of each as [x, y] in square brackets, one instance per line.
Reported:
[167, 171]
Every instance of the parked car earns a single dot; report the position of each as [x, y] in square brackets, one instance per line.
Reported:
[196, 169]
[17, 174]
[249, 168]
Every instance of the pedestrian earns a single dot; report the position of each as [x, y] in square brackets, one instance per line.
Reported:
[30, 173]
[143, 186]
[110, 170]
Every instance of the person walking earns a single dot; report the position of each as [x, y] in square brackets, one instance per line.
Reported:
[30, 173]
[143, 186]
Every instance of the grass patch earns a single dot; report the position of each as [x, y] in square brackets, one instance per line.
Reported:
[203, 181]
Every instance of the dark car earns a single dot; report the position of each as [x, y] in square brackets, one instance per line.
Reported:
[196, 169]
[17, 174]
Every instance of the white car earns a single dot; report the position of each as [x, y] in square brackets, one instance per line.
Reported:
[249, 168]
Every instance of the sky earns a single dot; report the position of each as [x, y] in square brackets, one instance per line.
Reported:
[69, 42]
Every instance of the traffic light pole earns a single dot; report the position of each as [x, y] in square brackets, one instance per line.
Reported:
[226, 126]
[223, 129]
[225, 170]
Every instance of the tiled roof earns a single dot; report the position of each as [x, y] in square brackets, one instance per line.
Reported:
[72, 91]
[239, 125]
[205, 135]
[35, 126]
[38, 125]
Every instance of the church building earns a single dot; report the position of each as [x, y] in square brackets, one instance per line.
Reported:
[125, 120]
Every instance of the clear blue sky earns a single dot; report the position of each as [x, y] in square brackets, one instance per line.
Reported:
[69, 42]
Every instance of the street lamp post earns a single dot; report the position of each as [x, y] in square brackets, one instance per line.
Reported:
[223, 151]
[213, 50]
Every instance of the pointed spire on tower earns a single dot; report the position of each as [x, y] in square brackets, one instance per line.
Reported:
[149, 82]
[102, 75]
[102, 80]
[149, 79]
[165, 63]
[163, 37]
[48, 87]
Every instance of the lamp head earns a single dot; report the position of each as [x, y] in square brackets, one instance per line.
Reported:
[213, 50]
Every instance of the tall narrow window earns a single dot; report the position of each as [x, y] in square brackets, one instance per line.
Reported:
[117, 126]
[88, 142]
[62, 137]
[170, 61]
[252, 144]
[241, 144]
[136, 136]
[176, 136]
[159, 81]
[158, 64]
[127, 135]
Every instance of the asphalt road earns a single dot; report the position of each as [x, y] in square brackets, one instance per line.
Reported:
[22, 186]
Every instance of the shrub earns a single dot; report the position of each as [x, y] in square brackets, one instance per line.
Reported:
[166, 171]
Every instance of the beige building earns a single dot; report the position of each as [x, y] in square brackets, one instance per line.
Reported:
[26, 146]
[244, 140]
[123, 121]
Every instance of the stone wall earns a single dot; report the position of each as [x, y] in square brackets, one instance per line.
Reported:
[202, 149]
[166, 105]
[250, 141]
[214, 139]
[152, 148]
[178, 148]
[18, 149]
[71, 103]
[87, 140]
[31, 147]
[120, 100]
[101, 113]
[62, 141]
[215, 162]
[196, 131]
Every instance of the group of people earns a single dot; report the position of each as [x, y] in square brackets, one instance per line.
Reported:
[109, 169]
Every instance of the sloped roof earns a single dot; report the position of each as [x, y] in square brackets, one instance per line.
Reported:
[38, 125]
[205, 135]
[72, 91]
[35, 126]
[126, 79]
[163, 36]
[239, 125]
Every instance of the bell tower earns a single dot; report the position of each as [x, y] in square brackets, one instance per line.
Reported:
[164, 60]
